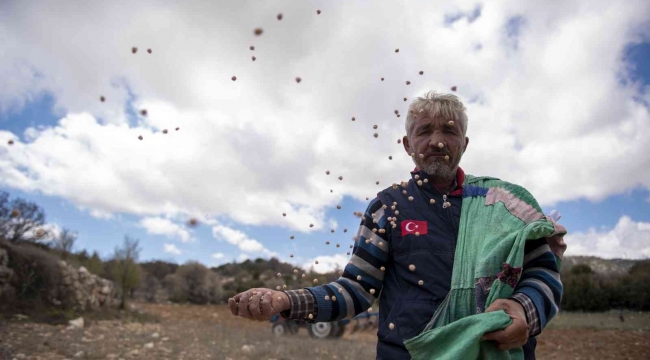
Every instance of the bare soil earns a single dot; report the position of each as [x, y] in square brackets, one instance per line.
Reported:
[210, 332]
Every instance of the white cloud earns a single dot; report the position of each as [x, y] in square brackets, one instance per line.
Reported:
[162, 226]
[327, 263]
[628, 239]
[172, 249]
[241, 240]
[218, 256]
[550, 115]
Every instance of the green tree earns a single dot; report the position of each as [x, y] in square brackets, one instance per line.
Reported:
[124, 269]
[21, 220]
[95, 265]
[64, 242]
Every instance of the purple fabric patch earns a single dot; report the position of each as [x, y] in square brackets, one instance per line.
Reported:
[509, 275]
[482, 288]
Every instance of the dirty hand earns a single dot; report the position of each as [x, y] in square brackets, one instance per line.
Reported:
[259, 304]
[515, 334]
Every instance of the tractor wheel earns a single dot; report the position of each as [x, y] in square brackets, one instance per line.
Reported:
[321, 330]
[279, 330]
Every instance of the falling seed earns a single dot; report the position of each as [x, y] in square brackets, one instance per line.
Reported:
[102, 99]
[405, 99]
[441, 145]
[311, 225]
[421, 156]
[398, 115]
[374, 126]
[318, 12]
[426, 181]
[382, 268]
[252, 47]
[399, 141]
[279, 274]
[253, 58]
[338, 207]
[315, 281]
[332, 231]
[340, 177]
[451, 123]
[164, 131]
[284, 214]
[10, 142]
[233, 78]
[410, 198]
[177, 129]
[340, 290]
[316, 262]
[303, 275]
[370, 309]
[40, 233]
[390, 158]
[284, 287]
[258, 31]
[192, 222]
[375, 135]
[278, 287]
[143, 112]
[421, 72]
[331, 190]
[412, 267]
[367, 198]
[333, 298]
[327, 242]
[310, 316]
[290, 255]
[358, 277]
[453, 88]
[382, 79]
[15, 213]
[347, 253]
[149, 51]
[134, 49]
[419, 182]
[280, 16]
[327, 297]
[420, 282]
[446, 157]
[391, 326]
[417, 233]
[372, 291]
[345, 230]
[291, 237]
[396, 50]
[140, 137]
[353, 118]
[327, 172]
[408, 82]
[298, 80]
[295, 271]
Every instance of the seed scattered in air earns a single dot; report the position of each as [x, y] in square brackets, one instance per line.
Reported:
[253, 58]
[134, 49]
[316, 262]
[318, 12]
[405, 99]
[290, 255]
[140, 137]
[332, 231]
[421, 72]
[353, 118]
[315, 281]
[453, 88]
[338, 207]
[149, 51]
[382, 79]
[15, 213]
[451, 123]
[412, 267]
[399, 141]
[408, 82]
[280, 16]
[446, 157]
[358, 277]
[143, 112]
[390, 158]
[421, 156]
[377, 182]
[102, 99]
[192, 222]
[327, 297]
[291, 237]
[10, 142]
[396, 50]
[164, 131]
[311, 316]
[420, 282]
[298, 80]
[374, 126]
[327, 172]
[311, 225]
[340, 177]
[375, 135]
[391, 326]
[258, 31]
[284, 214]
[177, 129]
[233, 78]
[252, 47]
[410, 198]
[278, 287]
[345, 230]
[382, 268]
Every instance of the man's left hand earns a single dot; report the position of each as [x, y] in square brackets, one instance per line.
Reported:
[515, 334]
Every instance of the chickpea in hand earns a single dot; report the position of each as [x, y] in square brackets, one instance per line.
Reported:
[259, 304]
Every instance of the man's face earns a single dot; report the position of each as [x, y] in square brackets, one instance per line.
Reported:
[426, 135]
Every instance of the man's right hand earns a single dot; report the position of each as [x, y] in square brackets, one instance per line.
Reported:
[259, 304]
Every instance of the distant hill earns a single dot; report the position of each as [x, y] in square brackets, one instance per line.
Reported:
[598, 265]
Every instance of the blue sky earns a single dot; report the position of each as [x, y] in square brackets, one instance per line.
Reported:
[251, 149]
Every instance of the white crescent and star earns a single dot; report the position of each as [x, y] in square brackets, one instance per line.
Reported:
[408, 224]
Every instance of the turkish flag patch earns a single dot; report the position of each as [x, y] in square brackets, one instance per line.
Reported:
[413, 226]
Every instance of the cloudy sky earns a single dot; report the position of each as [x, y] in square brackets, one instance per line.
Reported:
[557, 92]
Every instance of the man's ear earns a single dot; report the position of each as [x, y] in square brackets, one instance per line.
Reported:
[407, 145]
[466, 143]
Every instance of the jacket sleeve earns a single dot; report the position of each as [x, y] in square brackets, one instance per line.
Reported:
[361, 282]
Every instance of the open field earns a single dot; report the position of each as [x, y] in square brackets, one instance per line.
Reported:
[210, 332]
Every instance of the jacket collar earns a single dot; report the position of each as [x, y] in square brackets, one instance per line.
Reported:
[460, 179]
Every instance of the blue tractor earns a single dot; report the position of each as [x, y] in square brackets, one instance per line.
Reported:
[322, 330]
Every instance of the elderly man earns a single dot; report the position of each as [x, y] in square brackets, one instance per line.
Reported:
[441, 252]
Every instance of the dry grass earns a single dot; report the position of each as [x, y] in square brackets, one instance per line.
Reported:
[210, 332]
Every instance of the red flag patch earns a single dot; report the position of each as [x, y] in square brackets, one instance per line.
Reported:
[414, 226]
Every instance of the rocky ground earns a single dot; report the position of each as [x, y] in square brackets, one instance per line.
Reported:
[210, 332]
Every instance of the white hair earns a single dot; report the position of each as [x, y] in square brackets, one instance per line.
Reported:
[433, 105]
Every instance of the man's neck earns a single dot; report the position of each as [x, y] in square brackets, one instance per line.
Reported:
[445, 186]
